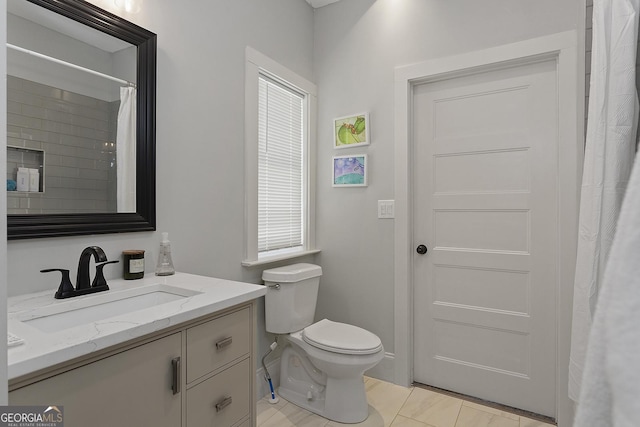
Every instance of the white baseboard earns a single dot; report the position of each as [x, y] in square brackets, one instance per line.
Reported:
[262, 386]
[383, 371]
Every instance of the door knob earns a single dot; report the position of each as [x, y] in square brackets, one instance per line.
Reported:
[421, 249]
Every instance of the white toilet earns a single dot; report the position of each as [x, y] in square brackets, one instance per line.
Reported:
[322, 367]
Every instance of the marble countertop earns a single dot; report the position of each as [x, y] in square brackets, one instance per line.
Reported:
[42, 349]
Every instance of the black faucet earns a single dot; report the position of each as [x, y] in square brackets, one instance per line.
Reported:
[83, 286]
[83, 281]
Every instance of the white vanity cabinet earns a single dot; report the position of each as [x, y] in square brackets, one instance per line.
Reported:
[142, 385]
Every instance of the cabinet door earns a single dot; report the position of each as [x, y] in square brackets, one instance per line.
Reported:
[132, 388]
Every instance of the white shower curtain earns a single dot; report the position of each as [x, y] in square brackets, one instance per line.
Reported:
[609, 154]
[611, 382]
[126, 150]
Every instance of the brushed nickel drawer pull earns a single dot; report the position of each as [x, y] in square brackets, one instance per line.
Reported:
[223, 343]
[223, 403]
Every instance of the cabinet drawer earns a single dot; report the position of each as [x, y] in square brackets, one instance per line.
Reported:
[222, 400]
[218, 342]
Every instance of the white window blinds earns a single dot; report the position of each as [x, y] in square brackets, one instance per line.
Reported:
[280, 167]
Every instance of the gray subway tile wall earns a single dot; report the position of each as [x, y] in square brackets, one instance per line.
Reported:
[77, 135]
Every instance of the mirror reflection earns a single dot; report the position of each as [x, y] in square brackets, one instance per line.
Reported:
[71, 116]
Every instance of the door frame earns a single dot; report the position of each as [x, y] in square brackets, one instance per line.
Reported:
[570, 97]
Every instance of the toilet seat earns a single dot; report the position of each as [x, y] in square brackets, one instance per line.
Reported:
[341, 338]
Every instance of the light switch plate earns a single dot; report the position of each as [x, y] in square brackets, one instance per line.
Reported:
[386, 209]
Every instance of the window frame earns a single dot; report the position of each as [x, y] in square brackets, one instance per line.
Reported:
[257, 64]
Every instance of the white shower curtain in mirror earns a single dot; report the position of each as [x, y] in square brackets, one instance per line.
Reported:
[609, 154]
[126, 150]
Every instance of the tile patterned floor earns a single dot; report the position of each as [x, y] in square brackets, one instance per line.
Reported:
[391, 405]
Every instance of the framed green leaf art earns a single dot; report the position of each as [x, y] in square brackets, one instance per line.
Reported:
[351, 131]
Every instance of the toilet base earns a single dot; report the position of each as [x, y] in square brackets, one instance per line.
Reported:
[346, 400]
[339, 399]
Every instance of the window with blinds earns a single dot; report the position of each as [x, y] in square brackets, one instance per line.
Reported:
[280, 167]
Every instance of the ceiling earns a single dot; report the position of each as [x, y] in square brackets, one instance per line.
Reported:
[71, 28]
[319, 3]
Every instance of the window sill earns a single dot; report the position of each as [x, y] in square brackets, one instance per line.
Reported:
[276, 258]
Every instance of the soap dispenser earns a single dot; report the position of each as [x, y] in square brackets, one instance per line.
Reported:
[165, 264]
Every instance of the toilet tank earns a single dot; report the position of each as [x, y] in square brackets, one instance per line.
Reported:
[292, 293]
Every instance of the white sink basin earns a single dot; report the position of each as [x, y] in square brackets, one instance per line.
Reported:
[83, 310]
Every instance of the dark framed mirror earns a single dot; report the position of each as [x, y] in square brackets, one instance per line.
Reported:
[140, 215]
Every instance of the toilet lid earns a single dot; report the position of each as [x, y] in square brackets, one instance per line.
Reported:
[341, 338]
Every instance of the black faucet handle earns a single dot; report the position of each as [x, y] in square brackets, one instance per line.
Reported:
[99, 280]
[66, 289]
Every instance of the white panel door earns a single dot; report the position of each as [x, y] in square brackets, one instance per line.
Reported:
[485, 204]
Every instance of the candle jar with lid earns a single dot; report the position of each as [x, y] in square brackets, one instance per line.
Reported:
[133, 264]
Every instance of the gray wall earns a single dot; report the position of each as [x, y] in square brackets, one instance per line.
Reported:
[200, 139]
[200, 121]
[357, 45]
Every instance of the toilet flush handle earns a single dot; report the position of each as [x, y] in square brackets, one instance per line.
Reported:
[276, 286]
